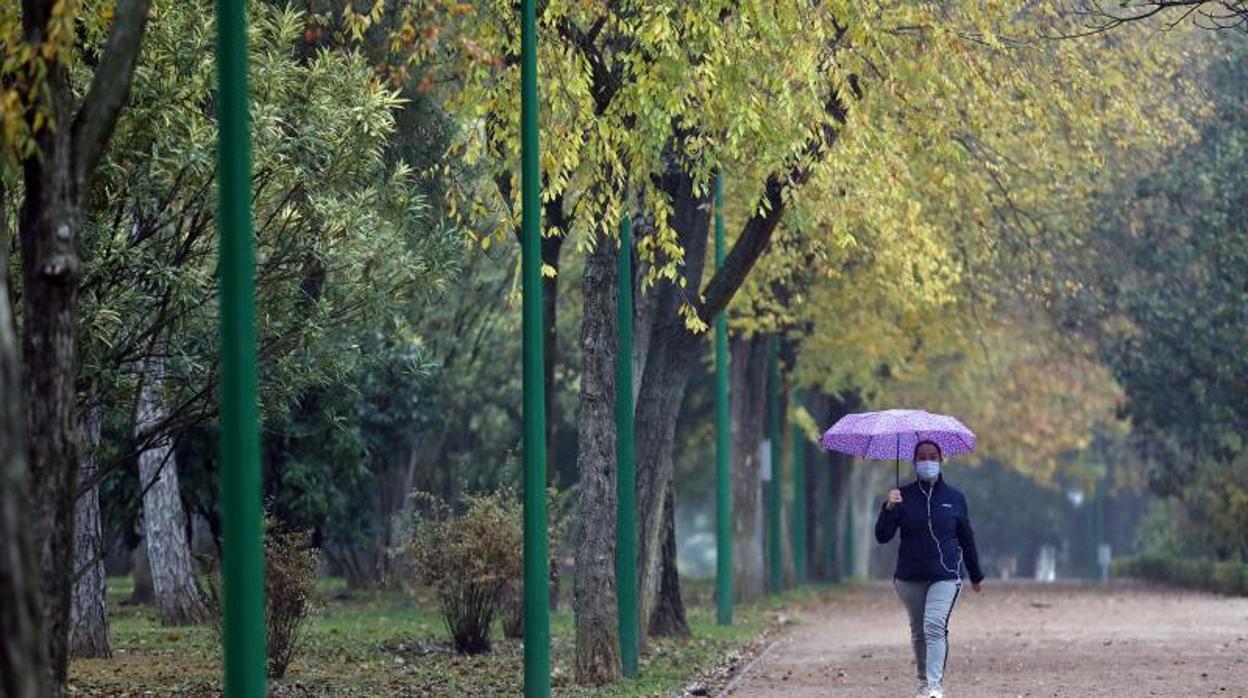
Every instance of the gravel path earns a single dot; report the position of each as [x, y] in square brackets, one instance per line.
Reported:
[1020, 639]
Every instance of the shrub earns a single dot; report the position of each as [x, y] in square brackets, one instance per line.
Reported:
[1223, 577]
[467, 560]
[289, 581]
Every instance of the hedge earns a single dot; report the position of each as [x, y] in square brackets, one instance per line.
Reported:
[1191, 573]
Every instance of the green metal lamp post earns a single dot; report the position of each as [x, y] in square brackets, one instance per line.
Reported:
[799, 502]
[850, 551]
[829, 525]
[723, 439]
[242, 564]
[775, 555]
[536, 554]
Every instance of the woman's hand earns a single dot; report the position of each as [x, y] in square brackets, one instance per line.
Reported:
[978, 587]
[894, 498]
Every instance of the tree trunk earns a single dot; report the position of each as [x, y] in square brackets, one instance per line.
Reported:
[643, 307]
[669, 360]
[748, 370]
[88, 614]
[141, 573]
[810, 509]
[839, 470]
[355, 565]
[822, 509]
[178, 600]
[672, 349]
[866, 491]
[394, 509]
[821, 542]
[56, 177]
[668, 618]
[51, 219]
[550, 248]
[656, 440]
[594, 593]
[23, 652]
[550, 339]
[658, 409]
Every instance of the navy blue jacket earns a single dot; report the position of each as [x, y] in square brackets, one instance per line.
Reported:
[919, 559]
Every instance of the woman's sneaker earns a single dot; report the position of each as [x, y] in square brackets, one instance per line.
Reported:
[936, 693]
[922, 692]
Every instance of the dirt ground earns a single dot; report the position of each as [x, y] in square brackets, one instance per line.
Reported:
[1020, 639]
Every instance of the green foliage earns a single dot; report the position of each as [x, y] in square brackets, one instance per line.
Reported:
[1169, 315]
[472, 333]
[332, 457]
[629, 91]
[345, 253]
[1203, 511]
[342, 245]
[1229, 577]
[963, 189]
[966, 141]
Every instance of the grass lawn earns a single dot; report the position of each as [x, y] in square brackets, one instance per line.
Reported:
[389, 644]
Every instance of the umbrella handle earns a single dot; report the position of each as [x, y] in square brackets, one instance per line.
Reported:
[897, 462]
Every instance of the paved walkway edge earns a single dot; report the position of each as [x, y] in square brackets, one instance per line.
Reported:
[748, 667]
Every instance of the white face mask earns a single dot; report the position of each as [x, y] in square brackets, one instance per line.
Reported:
[927, 470]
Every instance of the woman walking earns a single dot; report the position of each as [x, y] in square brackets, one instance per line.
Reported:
[937, 544]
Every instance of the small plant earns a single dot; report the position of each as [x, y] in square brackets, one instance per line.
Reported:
[468, 560]
[289, 580]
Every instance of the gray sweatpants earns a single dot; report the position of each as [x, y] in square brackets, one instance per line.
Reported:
[929, 605]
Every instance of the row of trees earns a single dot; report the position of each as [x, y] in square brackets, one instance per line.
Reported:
[1169, 319]
[899, 183]
[117, 298]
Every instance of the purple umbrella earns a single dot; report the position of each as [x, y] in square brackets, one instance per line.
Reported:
[889, 434]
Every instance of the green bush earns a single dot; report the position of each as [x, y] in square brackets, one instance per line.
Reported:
[1223, 577]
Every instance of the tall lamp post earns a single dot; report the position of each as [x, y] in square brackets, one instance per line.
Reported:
[536, 555]
[242, 566]
[775, 555]
[723, 438]
[799, 501]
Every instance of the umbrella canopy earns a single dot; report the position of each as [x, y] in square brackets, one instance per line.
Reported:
[889, 434]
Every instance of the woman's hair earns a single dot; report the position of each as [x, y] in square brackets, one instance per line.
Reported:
[939, 452]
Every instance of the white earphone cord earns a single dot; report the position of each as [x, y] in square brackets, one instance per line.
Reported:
[932, 531]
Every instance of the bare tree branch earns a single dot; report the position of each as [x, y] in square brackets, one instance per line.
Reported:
[110, 86]
[757, 232]
[1101, 16]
